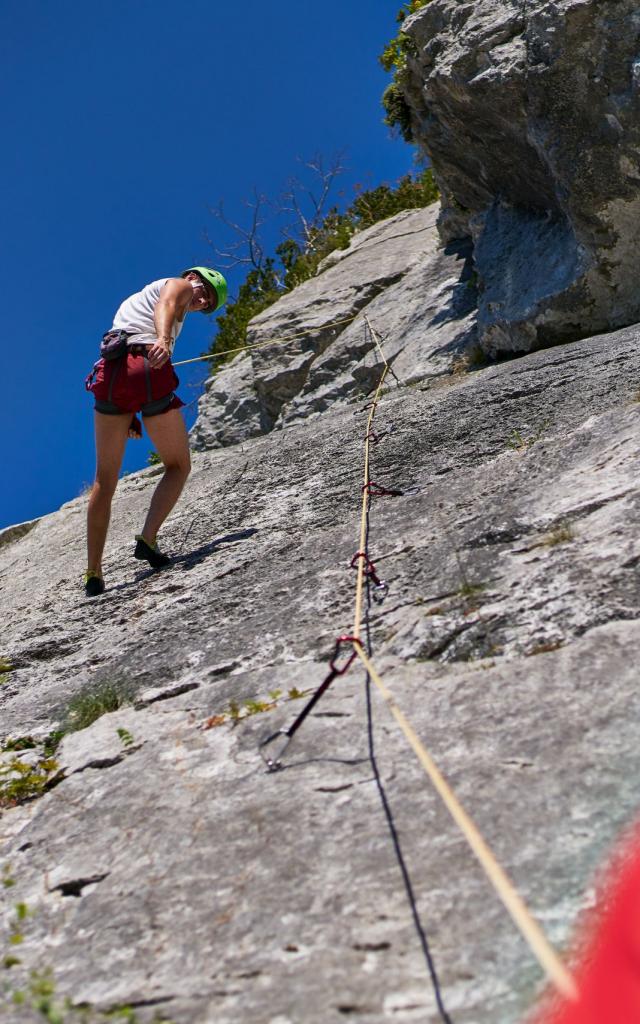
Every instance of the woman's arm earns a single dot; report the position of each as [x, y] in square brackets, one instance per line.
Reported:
[171, 307]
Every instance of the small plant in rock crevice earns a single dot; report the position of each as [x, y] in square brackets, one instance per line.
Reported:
[52, 741]
[518, 442]
[5, 668]
[82, 710]
[125, 737]
[21, 781]
[89, 705]
[18, 743]
[470, 633]
[38, 993]
[472, 359]
[468, 589]
[35, 990]
[563, 533]
[238, 712]
[544, 647]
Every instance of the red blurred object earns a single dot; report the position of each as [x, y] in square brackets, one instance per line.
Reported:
[608, 974]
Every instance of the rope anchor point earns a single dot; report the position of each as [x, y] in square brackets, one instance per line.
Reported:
[369, 570]
[273, 761]
[375, 490]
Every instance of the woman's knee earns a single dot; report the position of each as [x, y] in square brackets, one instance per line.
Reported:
[179, 466]
[105, 484]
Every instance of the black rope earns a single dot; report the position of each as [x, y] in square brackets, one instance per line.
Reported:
[406, 878]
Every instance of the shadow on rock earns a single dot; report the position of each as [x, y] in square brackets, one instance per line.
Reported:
[286, 766]
[198, 555]
[463, 298]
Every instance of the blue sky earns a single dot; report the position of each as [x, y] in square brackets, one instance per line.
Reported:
[123, 125]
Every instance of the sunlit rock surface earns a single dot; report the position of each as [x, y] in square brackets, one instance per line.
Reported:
[314, 344]
[166, 871]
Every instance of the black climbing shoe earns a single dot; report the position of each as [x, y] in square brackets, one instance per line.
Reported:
[93, 584]
[150, 553]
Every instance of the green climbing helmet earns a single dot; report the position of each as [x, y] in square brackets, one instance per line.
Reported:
[213, 278]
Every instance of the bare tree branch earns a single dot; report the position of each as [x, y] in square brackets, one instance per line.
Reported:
[297, 195]
[306, 204]
[247, 248]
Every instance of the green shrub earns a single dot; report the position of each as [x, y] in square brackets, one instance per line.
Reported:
[395, 52]
[410, 193]
[394, 59]
[20, 781]
[397, 113]
[90, 704]
[18, 743]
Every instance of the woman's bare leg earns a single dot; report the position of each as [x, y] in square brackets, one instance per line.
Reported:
[169, 437]
[111, 438]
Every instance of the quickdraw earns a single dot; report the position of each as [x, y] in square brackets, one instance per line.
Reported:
[375, 490]
[369, 570]
[274, 762]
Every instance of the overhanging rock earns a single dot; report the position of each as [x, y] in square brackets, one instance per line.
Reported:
[530, 111]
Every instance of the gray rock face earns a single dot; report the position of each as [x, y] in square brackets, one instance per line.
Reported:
[530, 112]
[229, 410]
[10, 533]
[415, 293]
[168, 872]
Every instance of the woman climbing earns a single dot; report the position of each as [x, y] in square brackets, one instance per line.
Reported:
[135, 375]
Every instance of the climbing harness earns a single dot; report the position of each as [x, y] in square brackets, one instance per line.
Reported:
[122, 379]
[528, 926]
[113, 346]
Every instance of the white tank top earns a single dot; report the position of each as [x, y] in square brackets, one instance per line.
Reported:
[135, 316]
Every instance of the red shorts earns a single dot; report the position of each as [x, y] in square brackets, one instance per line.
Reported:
[129, 384]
